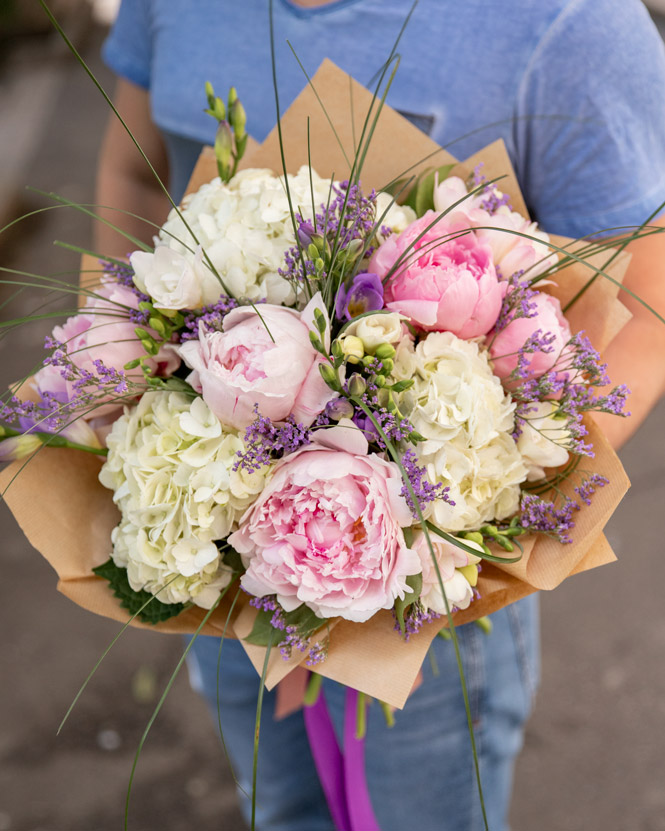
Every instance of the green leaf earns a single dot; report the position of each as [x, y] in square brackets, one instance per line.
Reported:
[233, 560]
[415, 583]
[410, 200]
[395, 187]
[303, 618]
[263, 631]
[424, 200]
[154, 612]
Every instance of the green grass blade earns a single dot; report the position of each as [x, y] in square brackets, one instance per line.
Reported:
[161, 701]
[62, 200]
[321, 104]
[108, 100]
[105, 653]
[219, 716]
[273, 62]
[394, 455]
[615, 254]
[257, 728]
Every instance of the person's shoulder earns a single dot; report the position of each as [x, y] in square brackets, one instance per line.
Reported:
[585, 31]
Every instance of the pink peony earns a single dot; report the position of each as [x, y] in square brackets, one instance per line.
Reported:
[327, 530]
[102, 331]
[444, 285]
[501, 230]
[264, 357]
[505, 345]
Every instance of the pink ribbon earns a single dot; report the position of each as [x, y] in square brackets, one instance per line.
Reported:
[342, 775]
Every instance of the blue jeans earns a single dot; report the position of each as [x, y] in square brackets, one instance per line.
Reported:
[420, 772]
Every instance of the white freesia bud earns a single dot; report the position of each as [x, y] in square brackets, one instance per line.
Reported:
[373, 330]
[448, 192]
[172, 280]
[353, 348]
[544, 440]
[17, 447]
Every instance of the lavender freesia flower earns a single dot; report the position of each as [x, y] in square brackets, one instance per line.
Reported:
[365, 294]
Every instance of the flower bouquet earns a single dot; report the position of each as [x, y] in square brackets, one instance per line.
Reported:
[320, 420]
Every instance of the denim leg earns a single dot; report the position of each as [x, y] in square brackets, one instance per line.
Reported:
[419, 772]
[289, 795]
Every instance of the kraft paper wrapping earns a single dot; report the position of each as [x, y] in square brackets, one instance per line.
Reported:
[68, 515]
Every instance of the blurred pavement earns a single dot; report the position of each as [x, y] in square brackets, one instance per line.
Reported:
[593, 759]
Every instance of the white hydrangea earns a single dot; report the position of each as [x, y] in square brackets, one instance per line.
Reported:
[461, 409]
[245, 227]
[170, 465]
[544, 440]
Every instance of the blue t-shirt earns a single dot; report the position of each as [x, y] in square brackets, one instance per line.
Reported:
[576, 88]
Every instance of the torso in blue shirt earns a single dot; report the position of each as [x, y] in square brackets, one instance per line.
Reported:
[576, 88]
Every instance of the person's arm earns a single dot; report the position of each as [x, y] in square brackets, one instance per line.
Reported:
[124, 180]
[599, 164]
[636, 357]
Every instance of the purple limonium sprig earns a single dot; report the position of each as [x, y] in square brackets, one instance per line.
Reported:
[519, 302]
[571, 381]
[349, 217]
[318, 652]
[589, 486]
[83, 391]
[395, 426]
[414, 619]
[211, 317]
[353, 210]
[295, 261]
[538, 341]
[269, 604]
[266, 441]
[365, 294]
[293, 640]
[493, 198]
[424, 490]
[123, 273]
[541, 515]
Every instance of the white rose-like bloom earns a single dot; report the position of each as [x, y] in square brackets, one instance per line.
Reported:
[245, 228]
[172, 280]
[460, 407]
[373, 330]
[449, 558]
[544, 440]
[398, 218]
[170, 465]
